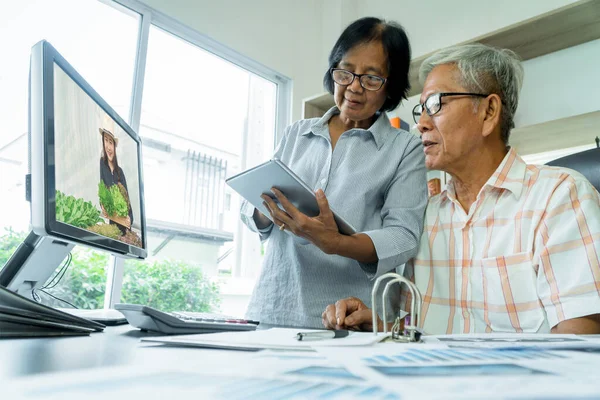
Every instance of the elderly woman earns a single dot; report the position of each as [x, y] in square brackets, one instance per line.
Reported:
[372, 174]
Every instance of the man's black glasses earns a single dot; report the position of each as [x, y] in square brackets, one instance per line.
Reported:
[433, 103]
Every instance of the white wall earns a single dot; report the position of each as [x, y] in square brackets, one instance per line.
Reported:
[335, 16]
[283, 34]
[434, 24]
[560, 84]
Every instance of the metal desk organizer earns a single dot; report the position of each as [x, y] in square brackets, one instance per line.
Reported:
[411, 332]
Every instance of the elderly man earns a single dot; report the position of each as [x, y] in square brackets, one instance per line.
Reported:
[508, 247]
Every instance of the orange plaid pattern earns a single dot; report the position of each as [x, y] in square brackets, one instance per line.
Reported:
[523, 259]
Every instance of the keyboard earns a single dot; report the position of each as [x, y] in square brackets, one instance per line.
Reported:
[191, 316]
[183, 322]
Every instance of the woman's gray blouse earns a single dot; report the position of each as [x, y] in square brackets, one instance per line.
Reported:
[376, 180]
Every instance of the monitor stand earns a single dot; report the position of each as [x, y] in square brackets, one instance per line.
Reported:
[33, 263]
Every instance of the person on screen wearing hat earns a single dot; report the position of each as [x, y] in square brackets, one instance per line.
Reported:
[110, 172]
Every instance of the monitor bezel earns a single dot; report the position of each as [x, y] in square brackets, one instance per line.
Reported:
[42, 157]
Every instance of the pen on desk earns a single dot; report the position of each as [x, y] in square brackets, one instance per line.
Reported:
[340, 333]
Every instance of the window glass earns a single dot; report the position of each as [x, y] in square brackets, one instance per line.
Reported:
[203, 119]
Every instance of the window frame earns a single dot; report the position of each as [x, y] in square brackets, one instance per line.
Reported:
[149, 17]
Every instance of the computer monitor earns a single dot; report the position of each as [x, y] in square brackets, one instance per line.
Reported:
[85, 175]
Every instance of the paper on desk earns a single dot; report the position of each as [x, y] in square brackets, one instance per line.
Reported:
[437, 371]
[514, 340]
[163, 382]
[275, 338]
[276, 374]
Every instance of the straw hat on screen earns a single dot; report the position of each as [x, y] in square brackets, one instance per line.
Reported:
[107, 127]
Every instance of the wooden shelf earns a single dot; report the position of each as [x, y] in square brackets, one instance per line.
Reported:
[317, 106]
[579, 130]
[556, 30]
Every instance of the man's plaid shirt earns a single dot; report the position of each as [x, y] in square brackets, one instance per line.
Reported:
[522, 259]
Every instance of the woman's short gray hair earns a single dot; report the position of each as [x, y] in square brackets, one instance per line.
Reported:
[484, 69]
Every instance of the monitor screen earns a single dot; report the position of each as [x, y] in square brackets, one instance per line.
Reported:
[85, 162]
[97, 178]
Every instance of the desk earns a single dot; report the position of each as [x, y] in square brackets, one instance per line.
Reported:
[210, 373]
[103, 366]
[116, 346]
[28, 356]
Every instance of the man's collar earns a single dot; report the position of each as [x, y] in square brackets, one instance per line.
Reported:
[380, 130]
[509, 175]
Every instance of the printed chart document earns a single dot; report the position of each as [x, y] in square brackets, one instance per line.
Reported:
[389, 370]
[275, 339]
[381, 370]
[516, 340]
[414, 370]
[277, 375]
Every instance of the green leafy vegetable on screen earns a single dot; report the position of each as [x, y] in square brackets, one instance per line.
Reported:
[106, 200]
[76, 212]
[108, 230]
[119, 201]
[112, 200]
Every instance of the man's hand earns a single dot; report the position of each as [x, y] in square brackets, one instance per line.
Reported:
[321, 230]
[350, 313]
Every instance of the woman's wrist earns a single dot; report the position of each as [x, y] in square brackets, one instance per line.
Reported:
[359, 247]
[260, 220]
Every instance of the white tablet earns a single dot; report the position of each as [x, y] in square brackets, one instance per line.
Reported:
[252, 183]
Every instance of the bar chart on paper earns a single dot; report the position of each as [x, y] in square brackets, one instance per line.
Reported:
[458, 363]
[428, 356]
[251, 388]
[182, 384]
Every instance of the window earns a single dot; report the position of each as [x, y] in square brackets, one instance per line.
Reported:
[202, 119]
[204, 113]
[105, 58]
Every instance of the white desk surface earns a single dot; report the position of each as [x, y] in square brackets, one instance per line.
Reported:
[116, 363]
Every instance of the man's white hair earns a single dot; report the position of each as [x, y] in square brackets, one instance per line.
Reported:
[484, 69]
